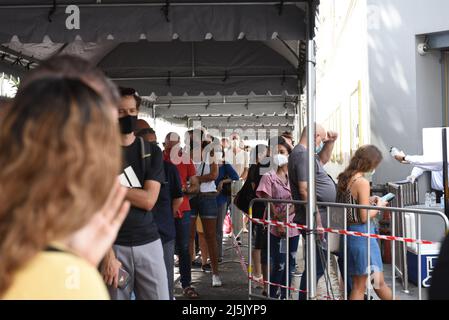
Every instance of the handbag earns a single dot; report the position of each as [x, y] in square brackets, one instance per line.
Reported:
[244, 197]
[227, 224]
[352, 215]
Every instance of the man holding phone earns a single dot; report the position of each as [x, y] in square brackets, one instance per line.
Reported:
[136, 261]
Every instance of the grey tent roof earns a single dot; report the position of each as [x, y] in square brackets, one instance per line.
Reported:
[199, 49]
[208, 67]
[229, 112]
[32, 20]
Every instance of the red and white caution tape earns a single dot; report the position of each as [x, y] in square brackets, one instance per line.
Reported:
[336, 231]
[245, 266]
[275, 284]
[285, 287]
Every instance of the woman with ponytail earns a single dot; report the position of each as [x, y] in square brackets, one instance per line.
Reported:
[354, 188]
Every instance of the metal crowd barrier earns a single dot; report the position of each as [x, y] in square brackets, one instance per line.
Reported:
[336, 213]
[405, 195]
[237, 223]
[236, 214]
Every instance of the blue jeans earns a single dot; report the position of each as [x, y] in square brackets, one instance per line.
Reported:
[222, 211]
[278, 261]
[182, 246]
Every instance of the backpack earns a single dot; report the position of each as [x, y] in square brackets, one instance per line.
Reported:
[143, 154]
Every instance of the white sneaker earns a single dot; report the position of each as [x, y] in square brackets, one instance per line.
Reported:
[216, 281]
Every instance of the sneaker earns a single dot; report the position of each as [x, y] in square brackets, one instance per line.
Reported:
[196, 264]
[206, 268]
[216, 281]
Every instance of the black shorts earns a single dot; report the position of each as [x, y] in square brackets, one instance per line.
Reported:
[260, 240]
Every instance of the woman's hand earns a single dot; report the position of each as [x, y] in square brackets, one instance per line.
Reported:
[220, 187]
[373, 200]
[380, 203]
[94, 240]
[281, 231]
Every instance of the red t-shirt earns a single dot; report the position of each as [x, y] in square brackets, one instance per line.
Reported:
[185, 170]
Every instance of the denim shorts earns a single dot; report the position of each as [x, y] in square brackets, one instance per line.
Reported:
[205, 206]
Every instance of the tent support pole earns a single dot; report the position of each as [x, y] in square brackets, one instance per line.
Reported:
[445, 173]
[193, 59]
[153, 114]
[311, 187]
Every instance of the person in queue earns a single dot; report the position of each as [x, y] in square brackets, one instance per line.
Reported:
[260, 163]
[166, 209]
[137, 253]
[144, 130]
[325, 186]
[190, 185]
[276, 185]
[226, 174]
[204, 204]
[354, 188]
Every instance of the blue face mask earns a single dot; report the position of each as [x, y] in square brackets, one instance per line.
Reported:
[319, 148]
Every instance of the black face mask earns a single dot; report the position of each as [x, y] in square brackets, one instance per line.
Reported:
[127, 124]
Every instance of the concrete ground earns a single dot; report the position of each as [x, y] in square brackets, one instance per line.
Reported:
[235, 282]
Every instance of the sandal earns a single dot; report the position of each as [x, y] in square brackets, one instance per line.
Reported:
[190, 293]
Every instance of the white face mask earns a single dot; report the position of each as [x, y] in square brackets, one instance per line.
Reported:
[218, 156]
[370, 174]
[280, 160]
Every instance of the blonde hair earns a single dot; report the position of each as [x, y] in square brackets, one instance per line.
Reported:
[59, 156]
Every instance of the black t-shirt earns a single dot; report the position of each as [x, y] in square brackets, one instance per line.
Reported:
[255, 174]
[139, 227]
[297, 171]
[162, 211]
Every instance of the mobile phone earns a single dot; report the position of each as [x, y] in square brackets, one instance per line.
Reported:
[388, 197]
[123, 278]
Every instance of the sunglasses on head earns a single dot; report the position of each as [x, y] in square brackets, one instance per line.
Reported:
[144, 131]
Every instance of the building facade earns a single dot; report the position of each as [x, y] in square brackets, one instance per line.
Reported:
[373, 84]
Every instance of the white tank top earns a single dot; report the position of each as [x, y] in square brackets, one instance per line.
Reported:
[203, 169]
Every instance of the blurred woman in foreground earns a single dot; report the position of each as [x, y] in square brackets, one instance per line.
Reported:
[61, 205]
